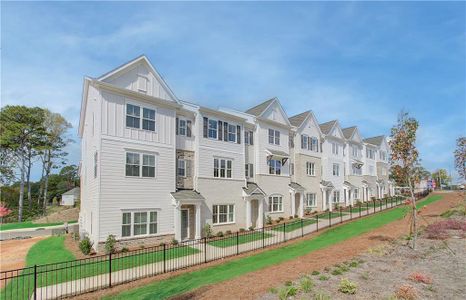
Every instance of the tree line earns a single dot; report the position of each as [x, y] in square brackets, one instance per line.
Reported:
[30, 136]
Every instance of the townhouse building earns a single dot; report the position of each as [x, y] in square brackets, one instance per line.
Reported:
[155, 167]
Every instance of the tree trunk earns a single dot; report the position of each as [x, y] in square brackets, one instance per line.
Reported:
[21, 190]
[41, 187]
[28, 179]
[413, 203]
[46, 182]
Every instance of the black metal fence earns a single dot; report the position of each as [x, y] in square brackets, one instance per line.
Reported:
[59, 280]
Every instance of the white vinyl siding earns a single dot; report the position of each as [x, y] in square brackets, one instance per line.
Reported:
[223, 214]
[276, 204]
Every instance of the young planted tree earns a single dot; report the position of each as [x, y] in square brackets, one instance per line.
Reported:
[460, 157]
[441, 177]
[404, 158]
[21, 131]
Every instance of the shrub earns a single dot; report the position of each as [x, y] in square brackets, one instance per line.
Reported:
[365, 275]
[75, 236]
[321, 296]
[353, 264]
[228, 232]
[251, 228]
[220, 234]
[85, 245]
[295, 216]
[315, 272]
[419, 277]
[337, 271]
[344, 268]
[287, 291]
[281, 219]
[290, 217]
[306, 284]
[268, 220]
[242, 230]
[288, 283]
[207, 230]
[273, 290]
[174, 242]
[124, 250]
[406, 292]
[440, 229]
[110, 244]
[323, 277]
[347, 287]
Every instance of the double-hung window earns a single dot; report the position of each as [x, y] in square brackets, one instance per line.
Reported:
[304, 141]
[336, 170]
[335, 148]
[222, 168]
[355, 151]
[182, 127]
[248, 170]
[126, 224]
[213, 129]
[248, 137]
[137, 167]
[314, 144]
[152, 222]
[140, 223]
[274, 137]
[310, 168]
[231, 133]
[311, 200]
[223, 214]
[148, 119]
[182, 167]
[133, 116]
[336, 196]
[370, 153]
[275, 166]
[356, 194]
[275, 203]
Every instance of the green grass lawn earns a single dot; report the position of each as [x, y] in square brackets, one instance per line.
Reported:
[242, 238]
[29, 224]
[180, 284]
[333, 214]
[52, 250]
[292, 226]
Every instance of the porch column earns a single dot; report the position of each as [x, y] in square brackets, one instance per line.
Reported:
[197, 234]
[248, 213]
[260, 218]
[324, 204]
[351, 195]
[177, 211]
[301, 205]
[330, 200]
[293, 203]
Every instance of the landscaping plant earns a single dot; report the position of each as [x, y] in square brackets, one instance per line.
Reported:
[406, 292]
[85, 245]
[110, 244]
[306, 284]
[347, 287]
[420, 277]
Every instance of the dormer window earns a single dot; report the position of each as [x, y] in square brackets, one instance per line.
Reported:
[142, 83]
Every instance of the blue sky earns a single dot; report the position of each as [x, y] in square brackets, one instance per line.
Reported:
[357, 62]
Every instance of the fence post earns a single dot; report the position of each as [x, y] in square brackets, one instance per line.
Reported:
[164, 258]
[373, 202]
[351, 212]
[302, 229]
[329, 219]
[205, 250]
[237, 242]
[317, 217]
[284, 232]
[341, 216]
[367, 207]
[110, 269]
[359, 209]
[263, 237]
[35, 282]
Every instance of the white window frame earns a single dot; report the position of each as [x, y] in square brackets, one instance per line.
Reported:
[141, 164]
[248, 137]
[182, 130]
[370, 153]
[211, 129]
[133, 115]
[335, 147]
[311, 200]
[181, 165]
[336, 169]
[226, 170]
[273, 166]
[229, 214]
[304, 141]
[231, 134]
[356, 194]
[355, 151]
[126, 225]
[275, 203]
[142, 79]
[249, 170]
[314, 144]
[131, 223]
[274, 137]
[310, 168]
[336, 197]
[141, 117]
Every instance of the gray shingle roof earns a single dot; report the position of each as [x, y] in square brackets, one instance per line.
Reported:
[328, 184]
[376, 140]
[348, 132]
[278, 153]
[296, 186]
[74, 191]
[326, 127]
[253, 189]
[298, 120]
[187, 195]
[347, 183]
[259, 109]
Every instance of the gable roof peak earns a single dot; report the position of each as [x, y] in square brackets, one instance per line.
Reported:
[260, 108]
[327, 126]
[376, 140]
[297, 120]
[349, 131]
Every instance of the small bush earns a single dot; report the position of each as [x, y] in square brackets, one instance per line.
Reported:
[365, 275]
[315, 273]
[288, 283]
[207, 230]
[287, 291]
[242, 230]
[85, 245]
[295, 216]
[347, 287]
[273, 290]
[354, 264]
[344, 268]
[306, 284]
[251, 228]
[324, 277]
[268, 220]
[290, 217]
[124, 250]
[219, 234]
[281, 218]
[174, 242]
[110, 244]
[419, 277]
[75, 236]
[337, 271]
[406, 292]
[321, 296]
[228, 232]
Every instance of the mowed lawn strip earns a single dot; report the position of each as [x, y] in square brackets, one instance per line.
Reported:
[29, 224]
[242, 239]
[53, 250]
[292, 226]
[167, 288]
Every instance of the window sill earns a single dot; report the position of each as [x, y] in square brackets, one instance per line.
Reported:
[139, 177]
[140, 129]
[276, 212]
[221, 224]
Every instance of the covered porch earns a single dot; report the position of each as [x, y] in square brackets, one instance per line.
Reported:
[327, 187]
[187, 204]
[297, 199]
[254, 197]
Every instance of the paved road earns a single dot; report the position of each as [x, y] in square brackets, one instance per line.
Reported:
[32, 232]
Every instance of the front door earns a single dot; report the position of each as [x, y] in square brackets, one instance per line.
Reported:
[254, 213]
[184, 224]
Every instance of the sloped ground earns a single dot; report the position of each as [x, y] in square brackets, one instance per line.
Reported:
[62, 214]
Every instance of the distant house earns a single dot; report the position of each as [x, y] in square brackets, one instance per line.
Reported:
[69, 198]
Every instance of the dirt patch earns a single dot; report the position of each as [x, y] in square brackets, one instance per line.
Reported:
[255, 284]
[62, 214]
[73, 247]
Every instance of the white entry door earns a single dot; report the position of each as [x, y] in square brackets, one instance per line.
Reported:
[184, 224]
